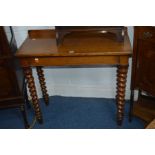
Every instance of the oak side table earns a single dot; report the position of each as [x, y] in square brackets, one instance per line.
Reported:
[78, 49]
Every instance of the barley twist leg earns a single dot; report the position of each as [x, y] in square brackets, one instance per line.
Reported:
[43, 84]
[33, 93]
[120, 97]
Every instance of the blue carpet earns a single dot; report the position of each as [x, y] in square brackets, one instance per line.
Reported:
[72, 113]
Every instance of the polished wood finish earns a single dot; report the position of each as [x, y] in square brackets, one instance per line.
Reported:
[88, 49]
[120, 95]
[43, 84]
[11, 80]
[4, 49]
[75, 44]
[31, 85]
[62, 31]
[143, 75]
[41, 34]
[144, 108]
[151, 125]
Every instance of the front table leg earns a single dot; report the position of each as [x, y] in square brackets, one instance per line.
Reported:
[33, 93]
[43, 84]
[120, 95]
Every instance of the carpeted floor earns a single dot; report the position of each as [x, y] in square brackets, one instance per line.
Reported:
[72, 113]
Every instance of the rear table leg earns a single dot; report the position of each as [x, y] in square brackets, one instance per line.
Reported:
[43, 84]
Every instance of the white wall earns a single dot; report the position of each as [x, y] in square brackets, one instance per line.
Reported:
[83, 82]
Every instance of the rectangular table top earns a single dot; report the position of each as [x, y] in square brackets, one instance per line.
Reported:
[75, 44]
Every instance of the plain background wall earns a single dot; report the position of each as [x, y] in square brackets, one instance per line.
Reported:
[82, 82]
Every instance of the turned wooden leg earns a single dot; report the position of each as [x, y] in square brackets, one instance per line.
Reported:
[120, 97]
[43, 84]
[33, 93]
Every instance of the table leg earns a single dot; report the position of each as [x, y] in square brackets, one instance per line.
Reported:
[31, 85]
[43, 84]
[120, 97]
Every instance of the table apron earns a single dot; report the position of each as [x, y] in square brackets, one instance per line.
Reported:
[73, 61]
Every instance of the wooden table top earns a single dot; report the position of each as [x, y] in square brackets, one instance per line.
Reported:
[75, 44]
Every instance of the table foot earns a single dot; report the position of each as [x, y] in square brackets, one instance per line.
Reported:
[120, 97]
[42, 82]
[33, 93]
